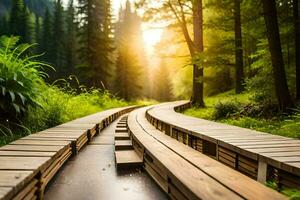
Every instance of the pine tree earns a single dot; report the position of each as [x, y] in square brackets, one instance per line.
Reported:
[37, 29]
[130, 63]
[95, 41]
[29, 23]
[58, 44]
[18, 19]
[47, 38]
[71, 43]
[4, 25]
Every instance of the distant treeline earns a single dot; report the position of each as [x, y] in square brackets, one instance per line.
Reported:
[81, 40]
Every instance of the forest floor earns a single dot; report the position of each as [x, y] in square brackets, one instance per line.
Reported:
[232, 108]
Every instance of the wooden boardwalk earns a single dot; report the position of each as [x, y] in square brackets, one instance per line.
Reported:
[184, 173]
[258, 155]
[188, 158]
[28, 164]
[91, 175]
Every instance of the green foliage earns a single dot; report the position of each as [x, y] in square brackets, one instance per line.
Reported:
[262, 90]
[250, 115]
[95, 42]
[20, 77]
[293, 194]
[226, 109]
[59, 105]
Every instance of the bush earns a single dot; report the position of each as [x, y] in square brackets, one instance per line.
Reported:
[59, 105]
[227, 109]
[20, 79]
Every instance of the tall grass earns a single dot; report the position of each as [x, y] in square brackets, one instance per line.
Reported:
[60, 105]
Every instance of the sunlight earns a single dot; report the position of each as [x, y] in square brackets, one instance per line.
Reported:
[151, 36]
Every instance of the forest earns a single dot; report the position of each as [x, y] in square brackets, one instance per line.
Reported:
[238, 61]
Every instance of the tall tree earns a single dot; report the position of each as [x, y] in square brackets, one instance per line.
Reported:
[297, 45]
[37, 29]
[95, 42]
[130, 63]
[47, 37]
[18, 20]
[4, 25]
[178, 13]
[71, 43]
[58, 43]
[197, 97]
[239, 64]
[281, 88]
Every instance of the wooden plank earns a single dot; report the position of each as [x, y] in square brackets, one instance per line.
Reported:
[121, 130]
[157, 177]
[40, 142]
[122, 136]
[123, 145]
[125, 159]
[30, 148]
[14, 178]
[24, 163]
[27, 191]
[280, 154]
[5, 193]
[27, 153]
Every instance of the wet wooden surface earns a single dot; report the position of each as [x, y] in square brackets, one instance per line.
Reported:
[198, 174]
[92, 175]
[41, 155]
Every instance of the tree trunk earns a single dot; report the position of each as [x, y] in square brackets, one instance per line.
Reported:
[239, 65]
[297, 46]
[197, 98]
[281, 87]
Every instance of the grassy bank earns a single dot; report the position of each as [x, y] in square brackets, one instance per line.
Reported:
[57, 106]
[240, 111]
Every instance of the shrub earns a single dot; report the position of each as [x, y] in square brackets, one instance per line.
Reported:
[59, 105]
[20, 78]
[224, 110]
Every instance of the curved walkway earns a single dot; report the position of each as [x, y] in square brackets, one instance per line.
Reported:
[184, 173]
[257, 154]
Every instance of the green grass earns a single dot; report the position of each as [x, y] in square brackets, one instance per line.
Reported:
[59, 106]
[288, 126]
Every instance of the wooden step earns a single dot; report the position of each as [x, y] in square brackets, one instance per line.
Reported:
[121, 130]
[122, 136]
[121, 125]
[128, 159]
[123, 145]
